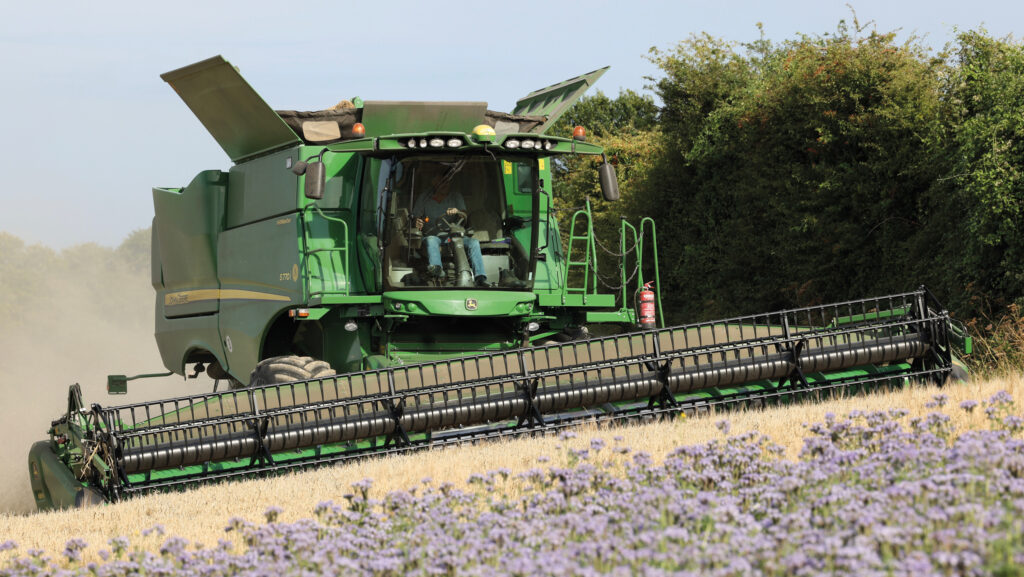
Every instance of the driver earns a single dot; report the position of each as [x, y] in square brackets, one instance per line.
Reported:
[429, 209]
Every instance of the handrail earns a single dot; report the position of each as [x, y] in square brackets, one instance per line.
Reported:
[623, 253]
[308, 253]
[657, 275]
[638, 244]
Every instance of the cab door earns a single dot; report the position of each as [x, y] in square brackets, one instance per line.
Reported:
[372, 191]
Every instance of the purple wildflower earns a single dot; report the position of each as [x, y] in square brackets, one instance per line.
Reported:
[937, 402]
[158, 529]
[272, 514]
[724, 426]
[1013, 423]
[73, 549]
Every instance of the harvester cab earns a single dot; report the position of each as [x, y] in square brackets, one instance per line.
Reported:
[387, 276]
[372, 234]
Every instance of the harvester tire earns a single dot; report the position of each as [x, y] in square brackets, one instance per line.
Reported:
[288, 368]
[567, 336]
[319, 369]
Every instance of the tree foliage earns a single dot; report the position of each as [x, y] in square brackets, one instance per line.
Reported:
[38, 282]
[975, 210]
[799, 171]
[825, 167]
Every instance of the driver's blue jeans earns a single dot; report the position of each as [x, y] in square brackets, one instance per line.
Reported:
[476, 259]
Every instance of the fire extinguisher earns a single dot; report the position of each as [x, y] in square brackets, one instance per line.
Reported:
[645, 307]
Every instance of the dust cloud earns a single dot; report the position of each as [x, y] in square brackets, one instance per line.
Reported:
[74, 328]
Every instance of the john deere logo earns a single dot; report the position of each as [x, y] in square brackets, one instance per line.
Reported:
[470, 304]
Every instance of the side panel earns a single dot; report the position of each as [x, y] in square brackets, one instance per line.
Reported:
[263, 188]
[156, 272]
[184, 270]
[178, 337]
[186, 226]
[260, 278]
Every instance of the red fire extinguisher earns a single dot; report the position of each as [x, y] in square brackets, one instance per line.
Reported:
[645, 307]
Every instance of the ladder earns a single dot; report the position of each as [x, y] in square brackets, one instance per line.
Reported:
[588, 264]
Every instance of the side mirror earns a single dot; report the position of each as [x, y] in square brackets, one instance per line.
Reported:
[117, 384]
[315, 180]
[609, 182]
[299, 168]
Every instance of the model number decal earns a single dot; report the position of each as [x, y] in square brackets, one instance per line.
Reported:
[176, 299]
[293, 275]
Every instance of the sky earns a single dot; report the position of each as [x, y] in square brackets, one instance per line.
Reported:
[90, 127]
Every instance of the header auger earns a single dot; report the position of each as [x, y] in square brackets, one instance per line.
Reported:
[308, 278]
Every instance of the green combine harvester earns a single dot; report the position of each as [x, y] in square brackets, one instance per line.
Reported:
[387, 276]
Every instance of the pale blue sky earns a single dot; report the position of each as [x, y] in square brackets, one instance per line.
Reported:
[90, 128]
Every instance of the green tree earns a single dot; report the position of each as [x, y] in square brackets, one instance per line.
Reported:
[797, 168]
[603, 116]
[134, 250]
[24, 271]
[975, 209]
[37, 282]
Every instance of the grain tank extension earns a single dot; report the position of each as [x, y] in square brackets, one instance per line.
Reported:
[384, 276]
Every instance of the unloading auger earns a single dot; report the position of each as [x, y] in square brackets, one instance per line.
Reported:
[108, 453]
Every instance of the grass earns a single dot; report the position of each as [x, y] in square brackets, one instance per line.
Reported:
[999, 343]
[201, 515]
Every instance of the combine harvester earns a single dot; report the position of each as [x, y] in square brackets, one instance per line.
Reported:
[302, 278]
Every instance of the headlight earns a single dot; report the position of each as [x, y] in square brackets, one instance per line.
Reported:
[527, 144]
[513, 143]
[411, 143]
[436, 142]
[548, 145]
[454, 142]
[423, 143]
